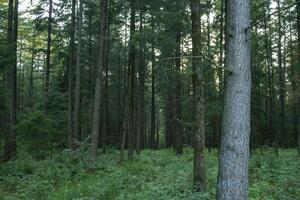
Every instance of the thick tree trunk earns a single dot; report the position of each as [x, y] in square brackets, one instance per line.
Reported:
[10, 147]
[99, 82]
[234, 154]
[77, 82]
[199, 176]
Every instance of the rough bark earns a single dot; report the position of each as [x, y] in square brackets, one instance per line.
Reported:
[199, 176]
[99, 82]
[234, 152]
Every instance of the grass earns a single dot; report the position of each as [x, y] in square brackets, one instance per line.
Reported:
[153, 175]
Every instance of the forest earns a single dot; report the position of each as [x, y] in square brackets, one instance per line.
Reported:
[149, 99]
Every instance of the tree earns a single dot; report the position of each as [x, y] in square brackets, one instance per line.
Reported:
[281, 72]
[10, 147]
[48, 54]
[131, 79]
[70, 77]
[298, 31]
[77, 82]
[99, 81]
[234, 152]
[141, 72]
[198, 98]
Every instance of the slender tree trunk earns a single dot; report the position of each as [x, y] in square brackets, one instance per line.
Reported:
[48, 55]
[30, 93]
[220, 72]
[105, 130]
[199, 176]
[152, 128]
[70, 77]
[77, 82]
[234, 152]
[141, 112]
[282, 128]
[99, 81]
[131, 76]
[293, 83]
[298, 30]
[157, 146]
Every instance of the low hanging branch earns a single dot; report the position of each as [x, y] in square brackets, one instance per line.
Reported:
[201, 56]
[273, 13]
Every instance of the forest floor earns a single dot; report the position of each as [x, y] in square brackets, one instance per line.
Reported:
[153, 175]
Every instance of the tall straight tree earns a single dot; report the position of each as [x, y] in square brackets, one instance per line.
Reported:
[141, 71]
[131, 77]
[198, 99]
[234, 152]
[77, 82]
[298, 31]
[177, 118]
[10, 147]
[70, 76]
[99, 81]
[48, 54]
[281, 82]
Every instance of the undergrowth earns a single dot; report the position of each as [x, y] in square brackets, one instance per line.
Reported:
[153, 175]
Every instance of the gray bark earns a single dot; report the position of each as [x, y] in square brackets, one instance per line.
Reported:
[234, 152]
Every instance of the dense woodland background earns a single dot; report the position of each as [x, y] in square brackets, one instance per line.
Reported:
[141, 74]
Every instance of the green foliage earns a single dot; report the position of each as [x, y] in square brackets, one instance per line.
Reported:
[152, 175]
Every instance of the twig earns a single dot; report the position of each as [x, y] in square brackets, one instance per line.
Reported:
[201, 56]
[273, 13]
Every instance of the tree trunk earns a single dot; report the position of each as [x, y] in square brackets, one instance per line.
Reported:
[48, 56]
[141, 112]
[77, 82]
[131, 76]
[298, 56]
[282, 128]
[10, 147]
[70, 78]
[199, 176]
[234, 152]
[152, 128]
[99, 81]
